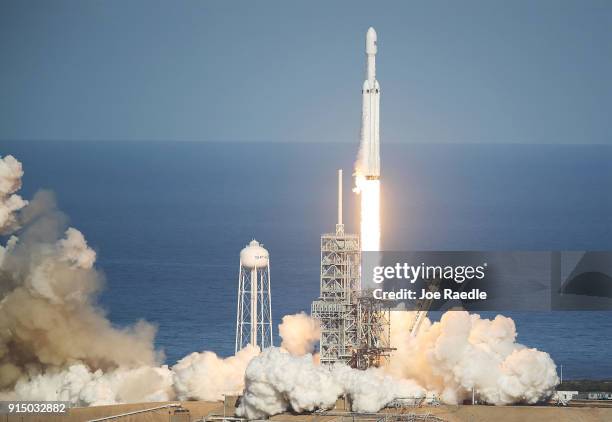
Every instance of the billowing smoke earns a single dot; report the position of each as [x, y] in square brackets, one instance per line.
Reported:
[48, 319]
[80, 385]
[463, 351]
[277, 381]
[205, 376]
[10, 182]
[300, 333]
[57, 344]
[446, 359]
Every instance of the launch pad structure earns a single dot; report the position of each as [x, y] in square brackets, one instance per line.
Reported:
[355, 328]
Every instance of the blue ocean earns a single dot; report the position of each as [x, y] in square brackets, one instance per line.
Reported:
[168, 220]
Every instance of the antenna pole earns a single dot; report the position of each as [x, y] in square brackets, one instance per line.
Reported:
[340, 196]
[340, 226]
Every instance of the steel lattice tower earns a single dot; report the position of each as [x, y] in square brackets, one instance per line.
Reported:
[340, 283]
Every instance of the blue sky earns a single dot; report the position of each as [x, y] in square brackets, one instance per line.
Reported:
[469, 71]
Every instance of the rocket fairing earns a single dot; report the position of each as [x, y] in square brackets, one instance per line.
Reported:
[370, 138]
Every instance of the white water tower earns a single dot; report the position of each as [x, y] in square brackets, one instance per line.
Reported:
[254, 313]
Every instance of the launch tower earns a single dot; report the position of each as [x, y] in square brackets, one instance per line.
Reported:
[340, 284]
[354, 327]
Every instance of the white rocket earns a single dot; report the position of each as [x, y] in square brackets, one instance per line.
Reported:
[370, 139]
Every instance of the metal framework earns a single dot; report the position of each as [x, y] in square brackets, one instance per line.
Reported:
[177, 406]
[254, 310]
[355, 328]
[374, 332]
[422, 308]
[403, 413]
[336, 307]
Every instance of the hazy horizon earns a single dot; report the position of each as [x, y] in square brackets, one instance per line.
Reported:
[347, 142]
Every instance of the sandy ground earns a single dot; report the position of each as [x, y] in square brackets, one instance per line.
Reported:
[200, 409]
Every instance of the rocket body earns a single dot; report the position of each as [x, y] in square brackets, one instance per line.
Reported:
[367, 167]
[370, 116]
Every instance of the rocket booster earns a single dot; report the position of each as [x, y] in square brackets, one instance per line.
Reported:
[370, 138]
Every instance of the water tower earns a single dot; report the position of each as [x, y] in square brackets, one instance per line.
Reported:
[254, 313]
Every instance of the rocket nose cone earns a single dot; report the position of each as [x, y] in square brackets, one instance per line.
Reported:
[371, 39]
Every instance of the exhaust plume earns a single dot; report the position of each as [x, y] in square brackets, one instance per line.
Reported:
[205, 376]
[276, 381]
[445, 359]
[79, 385]
[464, 351]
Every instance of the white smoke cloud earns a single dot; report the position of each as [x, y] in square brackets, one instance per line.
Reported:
[464, 351]
[75, 250]
[80, 386]
[300, 333]
[11, 173]
[206, 376]
[198, 376]
[277, 381]
[446, 358]
[372, 389]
